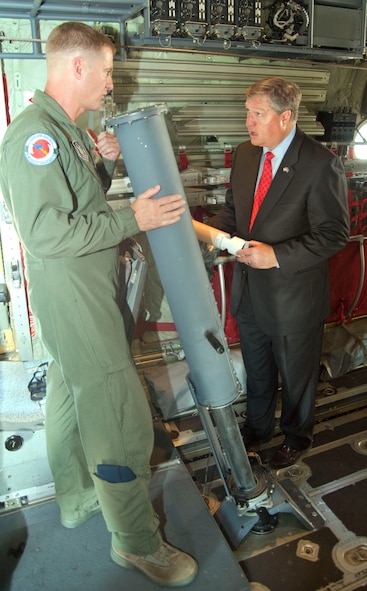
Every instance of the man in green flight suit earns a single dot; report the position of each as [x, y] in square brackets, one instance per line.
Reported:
[98, 425]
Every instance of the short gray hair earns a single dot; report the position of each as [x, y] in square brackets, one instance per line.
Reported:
[283, 94]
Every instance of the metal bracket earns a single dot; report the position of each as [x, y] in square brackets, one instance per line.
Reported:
[296, 502]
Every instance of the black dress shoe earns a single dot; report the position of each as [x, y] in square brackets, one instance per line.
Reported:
[286, 456]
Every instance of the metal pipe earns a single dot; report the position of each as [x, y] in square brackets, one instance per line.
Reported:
[37, 46]
[229, 434]
[35, 7]
[360, 239]
[222, 284]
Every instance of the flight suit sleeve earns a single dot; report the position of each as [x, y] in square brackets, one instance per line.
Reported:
[58, 207]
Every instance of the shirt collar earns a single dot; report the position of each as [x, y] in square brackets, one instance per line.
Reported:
[281, 148]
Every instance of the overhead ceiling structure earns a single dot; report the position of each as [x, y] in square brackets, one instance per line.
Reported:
[205, 94]
[93, 11]
[328, 30]
[206, 98]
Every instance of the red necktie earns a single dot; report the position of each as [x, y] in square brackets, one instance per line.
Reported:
[263, 186]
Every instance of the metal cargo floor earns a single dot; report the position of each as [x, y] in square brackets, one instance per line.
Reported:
[37, 552]
[333, 477]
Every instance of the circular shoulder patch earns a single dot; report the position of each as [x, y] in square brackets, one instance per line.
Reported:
[40, 149]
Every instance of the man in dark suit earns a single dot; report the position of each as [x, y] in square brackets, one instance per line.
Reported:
[280, 290]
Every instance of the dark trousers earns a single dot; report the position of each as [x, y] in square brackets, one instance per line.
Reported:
[295, 359]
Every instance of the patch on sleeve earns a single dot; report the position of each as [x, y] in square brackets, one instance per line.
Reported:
[40, 149]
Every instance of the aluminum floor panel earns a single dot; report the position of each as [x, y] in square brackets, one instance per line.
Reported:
[37, 553]
[286, 568]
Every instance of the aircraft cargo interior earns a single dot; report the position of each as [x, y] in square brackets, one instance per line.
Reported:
[183, 362]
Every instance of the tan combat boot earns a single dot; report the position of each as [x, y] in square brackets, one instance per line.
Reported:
[168, 566]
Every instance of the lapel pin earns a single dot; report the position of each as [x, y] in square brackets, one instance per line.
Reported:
[286, 169]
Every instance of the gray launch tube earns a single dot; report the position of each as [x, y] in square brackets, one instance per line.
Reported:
[150, 160]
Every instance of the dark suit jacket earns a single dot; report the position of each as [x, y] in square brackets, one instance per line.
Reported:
[304, 216]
